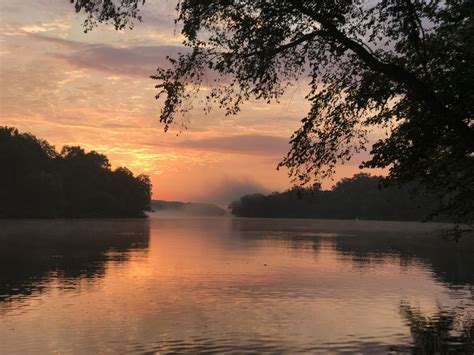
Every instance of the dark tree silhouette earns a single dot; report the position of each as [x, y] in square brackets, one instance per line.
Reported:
[358, 197]
[36, 181]
[28, 183]
[406, 66]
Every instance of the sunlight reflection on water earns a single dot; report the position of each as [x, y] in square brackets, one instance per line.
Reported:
[243, 285]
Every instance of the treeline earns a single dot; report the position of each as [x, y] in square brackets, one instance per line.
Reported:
[178, 208]
[38, 182]
[359, 197]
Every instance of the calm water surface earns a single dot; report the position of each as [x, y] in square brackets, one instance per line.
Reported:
[237, 285]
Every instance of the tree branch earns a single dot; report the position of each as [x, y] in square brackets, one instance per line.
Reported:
[272, 51]
[394, 72]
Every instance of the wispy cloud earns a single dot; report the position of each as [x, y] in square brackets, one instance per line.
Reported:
[244, 144]
[140, 61]
[94, 90]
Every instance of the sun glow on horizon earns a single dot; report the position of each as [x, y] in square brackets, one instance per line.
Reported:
[94, 90]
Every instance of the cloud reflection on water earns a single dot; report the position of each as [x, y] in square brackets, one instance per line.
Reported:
[221, 284]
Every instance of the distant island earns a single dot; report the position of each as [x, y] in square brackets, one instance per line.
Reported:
[176, 208]
[359, 197]
[38, 182]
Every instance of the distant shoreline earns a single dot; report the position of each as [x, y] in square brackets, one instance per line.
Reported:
[157, 214]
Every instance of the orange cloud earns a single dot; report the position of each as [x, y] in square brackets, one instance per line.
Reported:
[94, 90]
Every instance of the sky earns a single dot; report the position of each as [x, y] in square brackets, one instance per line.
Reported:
[93, 89]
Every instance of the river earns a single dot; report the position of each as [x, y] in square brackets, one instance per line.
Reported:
[233, 285]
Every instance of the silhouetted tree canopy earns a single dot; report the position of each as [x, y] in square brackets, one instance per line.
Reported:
[358, 197]
[404, 66]
[37, 181]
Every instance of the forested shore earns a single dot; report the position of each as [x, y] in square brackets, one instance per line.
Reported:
[39, 182]
[359, 197]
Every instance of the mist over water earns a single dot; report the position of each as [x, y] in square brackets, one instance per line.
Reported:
[224, 284]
